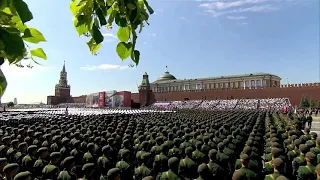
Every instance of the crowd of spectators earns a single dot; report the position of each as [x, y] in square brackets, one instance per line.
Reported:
[244, 104]
[208, 104]
[274, 103]
[227, 104]
[247, 104]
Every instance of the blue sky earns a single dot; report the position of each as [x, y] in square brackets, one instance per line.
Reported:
[193, 38]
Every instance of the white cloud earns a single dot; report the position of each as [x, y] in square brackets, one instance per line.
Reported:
[264, 8]
[12, 71]
[185, 19]
[109, 35]
[236, 17]
[229, 4]
[152, 34]
[219, 8]
[103, 67]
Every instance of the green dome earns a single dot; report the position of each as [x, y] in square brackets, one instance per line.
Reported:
[166, 76]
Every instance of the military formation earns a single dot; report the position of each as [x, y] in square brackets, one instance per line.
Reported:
[189, 144]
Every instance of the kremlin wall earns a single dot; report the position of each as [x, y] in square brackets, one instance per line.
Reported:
[248, 86]
[168, 88]
[294, 92]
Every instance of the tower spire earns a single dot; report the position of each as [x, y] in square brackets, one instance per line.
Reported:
[64, 66]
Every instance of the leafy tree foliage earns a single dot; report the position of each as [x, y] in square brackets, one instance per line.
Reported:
[319, 104]
[312, 104]
[15, 36]
[304, 103]
[10, 104]
[301, 105]
[89, 17]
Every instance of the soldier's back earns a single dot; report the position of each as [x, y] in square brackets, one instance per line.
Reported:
[306, 173]
[66, 175]
[141, 172]
[247, 173]
[169, 175]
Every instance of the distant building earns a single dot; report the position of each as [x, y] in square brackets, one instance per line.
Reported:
[15, 101]
[62, 91]
[168, 83]
[246, 86]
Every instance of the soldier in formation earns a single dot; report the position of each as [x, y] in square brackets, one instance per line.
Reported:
[203, 145]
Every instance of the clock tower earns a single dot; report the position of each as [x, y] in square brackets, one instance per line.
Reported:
[62, 89]
[145, 92]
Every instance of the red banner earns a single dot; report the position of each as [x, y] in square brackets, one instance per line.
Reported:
[101, 100]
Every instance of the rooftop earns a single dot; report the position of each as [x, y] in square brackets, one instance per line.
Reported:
[168, 78]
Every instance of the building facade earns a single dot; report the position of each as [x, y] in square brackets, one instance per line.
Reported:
[62, 91]
[168, 83]
[247, 86]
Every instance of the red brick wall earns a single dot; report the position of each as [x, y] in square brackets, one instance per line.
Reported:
[52, 100]
[294, 93]
[135, 97]
[79, 99]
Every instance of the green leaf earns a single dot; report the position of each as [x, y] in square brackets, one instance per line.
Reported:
[120, 21]
[110, 2]
[5, 18]
[95, 5]
[39, 53]
[83, 25]
[33, 35]
[7, 10]
[3, 4]
[124, 50]
[22, 10]
[74, 8]
[93, 46]
[96, 34]
[3, 83]
[12, 30]
[123, 34]
[101, 17]
[134, 39]
[109, 10]
[14, 48]
[135, 56]
[111, 17]
[101, 3]
[19, 24]
[131, 6]
[96, 22]
[82, 19]
[1, 60]
[148, 7]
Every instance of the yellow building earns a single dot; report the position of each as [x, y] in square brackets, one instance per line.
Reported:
[168, 82]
